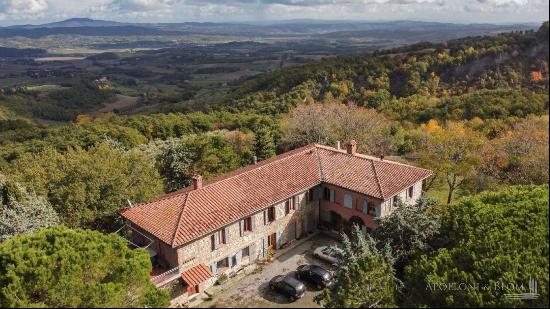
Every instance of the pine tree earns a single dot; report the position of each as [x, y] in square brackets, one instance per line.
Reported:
[364, 276]
[264, 145]
[59, 267]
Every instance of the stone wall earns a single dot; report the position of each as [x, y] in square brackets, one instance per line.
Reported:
[285, 227]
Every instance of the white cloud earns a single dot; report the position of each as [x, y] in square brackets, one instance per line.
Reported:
[22, 8]
[139, 5]
[504, 3]
[20, 11]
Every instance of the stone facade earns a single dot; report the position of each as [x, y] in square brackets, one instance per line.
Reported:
[294, 218]
[286, 227]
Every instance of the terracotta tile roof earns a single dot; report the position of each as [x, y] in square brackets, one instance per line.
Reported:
[187, 214]
[197, 274]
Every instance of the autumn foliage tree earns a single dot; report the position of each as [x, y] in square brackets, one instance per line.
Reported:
[452, 152]
[519, 155]
[326, 123]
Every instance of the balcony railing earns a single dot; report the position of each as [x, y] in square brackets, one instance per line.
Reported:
[166, 276]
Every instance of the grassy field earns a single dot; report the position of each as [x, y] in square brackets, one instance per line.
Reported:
[439, 192]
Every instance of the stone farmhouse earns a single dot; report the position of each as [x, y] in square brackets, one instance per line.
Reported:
[224, 224]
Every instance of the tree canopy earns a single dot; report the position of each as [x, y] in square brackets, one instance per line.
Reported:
[86, 187]
[21, 211]
[495, 242]
[59, 267]
[364, 275]
[409, 229]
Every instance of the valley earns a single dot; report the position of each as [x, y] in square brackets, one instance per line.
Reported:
[164, 161]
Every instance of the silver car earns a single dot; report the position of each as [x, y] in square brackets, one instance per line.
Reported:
[327, 254]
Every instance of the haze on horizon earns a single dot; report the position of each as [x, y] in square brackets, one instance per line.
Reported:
[467, 11]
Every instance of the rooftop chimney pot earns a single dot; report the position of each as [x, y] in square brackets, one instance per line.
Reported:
[351, 147]
[255, 159]
[338, 145]
[197, 182]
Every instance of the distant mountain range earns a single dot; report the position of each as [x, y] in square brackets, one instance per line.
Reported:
[72, 22]
[323, 29]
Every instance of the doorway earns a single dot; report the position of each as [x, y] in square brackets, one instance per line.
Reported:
[192, 290]
[335, 221]
[272, 242]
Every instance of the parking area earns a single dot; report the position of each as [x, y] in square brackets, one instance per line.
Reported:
[253, 289]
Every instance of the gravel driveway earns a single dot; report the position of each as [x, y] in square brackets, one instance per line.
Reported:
[253, 291]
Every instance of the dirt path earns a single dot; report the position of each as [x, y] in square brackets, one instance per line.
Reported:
[120, 102]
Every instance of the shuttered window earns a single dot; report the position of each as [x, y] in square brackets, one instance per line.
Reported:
[247, 224]
[310, 195]
[348, 201]
[326, 194]
[271, 214]
[365, 207]
[218, 238]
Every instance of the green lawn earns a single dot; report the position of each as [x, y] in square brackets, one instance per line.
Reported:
[439, 192]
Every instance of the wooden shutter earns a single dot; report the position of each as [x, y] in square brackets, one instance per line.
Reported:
[215, 241]
[264, 247]
[278, 240]
[252, 253]
[365, 207]
[265, 216]
[241, 227]
[252, 223]
[239, 256]
[226, 235]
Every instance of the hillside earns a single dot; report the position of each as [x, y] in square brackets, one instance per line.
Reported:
[511, 60]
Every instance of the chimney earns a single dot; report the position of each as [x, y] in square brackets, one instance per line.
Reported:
[255, 159]
[351, 147]
[338, 145]
[197, 182]
[382, 158]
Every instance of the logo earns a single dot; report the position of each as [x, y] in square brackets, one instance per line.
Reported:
[531, 295]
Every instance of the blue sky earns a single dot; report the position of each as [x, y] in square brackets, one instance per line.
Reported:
[463, 11]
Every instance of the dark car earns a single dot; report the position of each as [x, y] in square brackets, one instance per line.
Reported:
[314, 274]
[288, 286]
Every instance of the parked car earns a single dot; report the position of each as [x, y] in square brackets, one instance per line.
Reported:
[326, 254]
[288, 286]
[314, 274]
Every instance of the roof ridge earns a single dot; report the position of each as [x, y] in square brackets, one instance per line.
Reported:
[261, 164]
[321, 174]
[179, 219]
[377, 180]
[367, 157]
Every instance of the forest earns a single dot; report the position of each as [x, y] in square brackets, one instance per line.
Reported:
[474, 110]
